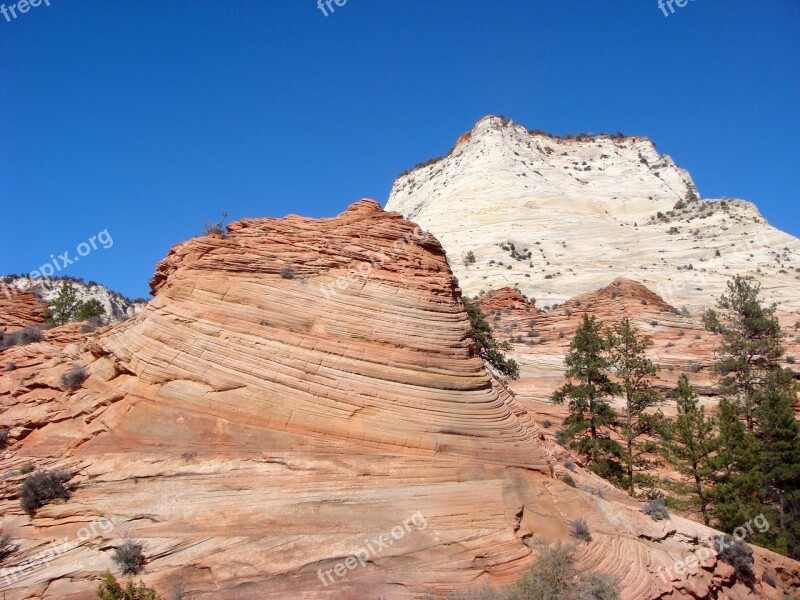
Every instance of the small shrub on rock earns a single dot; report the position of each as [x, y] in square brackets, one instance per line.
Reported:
[129, 557]
[656, 510]
[26, 468]
[579, 529]
[74, 379]
[11, 366]
[7, 547]
[287, 273]
[737, 554]
[3, 437]
[568, 480]
[570, 464]
[17, 338]
[42, 488]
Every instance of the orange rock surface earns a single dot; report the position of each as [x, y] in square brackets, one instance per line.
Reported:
[300, 392]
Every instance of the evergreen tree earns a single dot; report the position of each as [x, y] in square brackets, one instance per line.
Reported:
[636, 372]
[779, 438]
[588, 389]
[751, 343]
[691, 444]
[737, 495]
[489, 349]
[63, 307]
[89, 309]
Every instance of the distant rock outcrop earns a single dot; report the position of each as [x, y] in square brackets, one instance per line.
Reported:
[557, 217]
[300, 413]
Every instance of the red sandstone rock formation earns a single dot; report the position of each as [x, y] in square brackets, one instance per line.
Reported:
[19, 309]
[297, 389]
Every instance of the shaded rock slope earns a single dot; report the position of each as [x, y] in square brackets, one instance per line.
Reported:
[299, 392]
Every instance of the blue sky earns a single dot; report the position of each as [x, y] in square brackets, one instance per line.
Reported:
[148, 118]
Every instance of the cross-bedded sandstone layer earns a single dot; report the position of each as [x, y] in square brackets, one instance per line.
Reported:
[297, 391]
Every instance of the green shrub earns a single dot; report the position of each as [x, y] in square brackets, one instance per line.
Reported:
[568, 480]
[110, 589]
[287, 273]
[26, 468]
[470, 258]
[42, 488]
[569, 464]
[129, 557]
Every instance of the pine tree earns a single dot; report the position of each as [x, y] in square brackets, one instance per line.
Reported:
[63, 307]
[691, 444]
[779, 438]
[489, 349]
[636, 372]
[751, 343]
[737, 494]
[588, 389]
[89, 309]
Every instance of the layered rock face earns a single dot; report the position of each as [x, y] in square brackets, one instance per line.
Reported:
[300, 413]
[561, 217]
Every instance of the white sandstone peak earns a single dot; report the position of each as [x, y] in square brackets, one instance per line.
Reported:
[557, 216]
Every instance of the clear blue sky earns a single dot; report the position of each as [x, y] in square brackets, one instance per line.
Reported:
[148, 118]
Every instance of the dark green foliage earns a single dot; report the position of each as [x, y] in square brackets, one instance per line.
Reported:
[690, 443]
[738, 478]
[91, 309]
[110, 589]
[489, 349]
[66, 308]
[738, 555]
[656, 510]
[636, 372]
[751, 343]
[779, 438]
[42, 488]
[569, 480]
[74, 378]
[129, 557]
[26, 468]
[470, 258]
[588, 390]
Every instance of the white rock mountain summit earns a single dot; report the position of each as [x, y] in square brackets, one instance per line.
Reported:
[556, 217]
